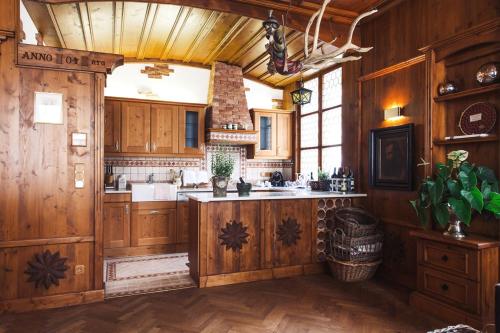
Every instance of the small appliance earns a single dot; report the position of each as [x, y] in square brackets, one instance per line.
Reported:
[277, 179]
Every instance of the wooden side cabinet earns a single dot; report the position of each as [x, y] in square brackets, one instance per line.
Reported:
[182, 221]
[112, 128]
[136, 120]
[116, 211]
[456, 278]
[153, 223]
[274, 137]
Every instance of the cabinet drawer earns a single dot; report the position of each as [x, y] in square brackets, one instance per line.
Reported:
[453, 290]
[454, 260]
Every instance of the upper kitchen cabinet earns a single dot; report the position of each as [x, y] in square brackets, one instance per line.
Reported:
[164, 129]
[274, 138]
[112, 130]
[144, 128]
[136, 127]
[191, 130]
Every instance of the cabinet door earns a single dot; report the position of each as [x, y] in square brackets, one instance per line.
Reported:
[265, 124]
[135, 127]
[182, 221]
[191, 130]
[153, 226]
[112, 124]
[284, 135]
[164, 129]
[116, 225]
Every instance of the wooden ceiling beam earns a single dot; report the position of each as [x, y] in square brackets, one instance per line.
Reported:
[149, 22]
[256, 38]
[240, 24]
[296, 20]
[56, 26]
[207, 27]
[180, 21]
[86, 23]
[292, 36]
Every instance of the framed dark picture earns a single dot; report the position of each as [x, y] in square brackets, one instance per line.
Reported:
[391, 157]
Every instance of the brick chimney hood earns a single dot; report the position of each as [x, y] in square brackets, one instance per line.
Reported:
[227, 104]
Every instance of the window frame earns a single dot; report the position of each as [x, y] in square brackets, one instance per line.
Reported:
[319, 112]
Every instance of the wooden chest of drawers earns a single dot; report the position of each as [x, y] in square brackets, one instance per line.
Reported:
[456, 278]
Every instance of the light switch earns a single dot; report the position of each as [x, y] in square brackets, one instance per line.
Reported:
[79, 175]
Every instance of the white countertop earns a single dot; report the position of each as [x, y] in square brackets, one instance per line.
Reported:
[294, 194]
[109, 191]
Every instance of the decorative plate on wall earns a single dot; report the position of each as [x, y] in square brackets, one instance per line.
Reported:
[478, 118]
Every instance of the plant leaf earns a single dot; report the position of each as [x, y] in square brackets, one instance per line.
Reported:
[441, 214]
[420, 210]
[466, 167]
[486, 174]
[475, 198]
[494, 204]
[443, 171]
[454, 187]
[486, 190]
[462, 209]
[435, 190]
[468, 179]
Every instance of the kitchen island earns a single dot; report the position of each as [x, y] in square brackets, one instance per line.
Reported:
[262, 236]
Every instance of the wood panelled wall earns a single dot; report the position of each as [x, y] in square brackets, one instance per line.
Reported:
[40, 208]
[396, 35]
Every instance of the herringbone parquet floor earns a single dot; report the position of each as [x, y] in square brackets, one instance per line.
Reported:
[303, 304]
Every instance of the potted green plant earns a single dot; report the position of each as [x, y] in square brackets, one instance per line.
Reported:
[458, 189]
[222, 168]
[323, 182]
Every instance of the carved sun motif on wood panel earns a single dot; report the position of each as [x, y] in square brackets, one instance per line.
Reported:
[46, 269]
[234, 235]
[289, 232]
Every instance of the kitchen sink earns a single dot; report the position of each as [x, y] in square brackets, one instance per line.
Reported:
[153, 192]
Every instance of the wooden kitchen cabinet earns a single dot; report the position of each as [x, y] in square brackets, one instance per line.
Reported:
[274, 137]
[164, 129]
[145, 128]
[153, 223]
[116, 221]
[182, 221]
[191, 130]
[112, 128]
[136, 127]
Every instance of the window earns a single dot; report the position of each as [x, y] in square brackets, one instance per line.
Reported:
[321, 125]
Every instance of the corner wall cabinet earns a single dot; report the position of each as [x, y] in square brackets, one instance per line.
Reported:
[274, 138]
[456, 278]
[144, 128]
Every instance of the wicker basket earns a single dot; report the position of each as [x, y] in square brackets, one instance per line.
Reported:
[355, 222]
[352, 272]
[356, 249]
[319, 185]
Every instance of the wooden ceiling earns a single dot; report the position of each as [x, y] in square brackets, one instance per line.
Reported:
[205, 31]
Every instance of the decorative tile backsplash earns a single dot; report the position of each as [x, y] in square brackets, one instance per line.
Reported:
[138, 168]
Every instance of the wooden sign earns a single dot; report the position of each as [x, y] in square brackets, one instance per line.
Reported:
[158, 71]
[66, 59]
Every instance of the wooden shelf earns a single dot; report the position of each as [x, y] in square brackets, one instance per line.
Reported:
[468, 92]
[491, 138]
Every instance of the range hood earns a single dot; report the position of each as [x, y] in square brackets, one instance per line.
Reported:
[228, 105]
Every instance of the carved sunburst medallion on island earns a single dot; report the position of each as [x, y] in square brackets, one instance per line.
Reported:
[46, 269]
[289, 232]
[234, 235]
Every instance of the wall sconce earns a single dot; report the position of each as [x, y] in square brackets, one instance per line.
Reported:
[393, 113]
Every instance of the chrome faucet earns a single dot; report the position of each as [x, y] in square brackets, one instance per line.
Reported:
[151, 178]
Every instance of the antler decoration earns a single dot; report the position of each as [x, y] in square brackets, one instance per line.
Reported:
[317, 59]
